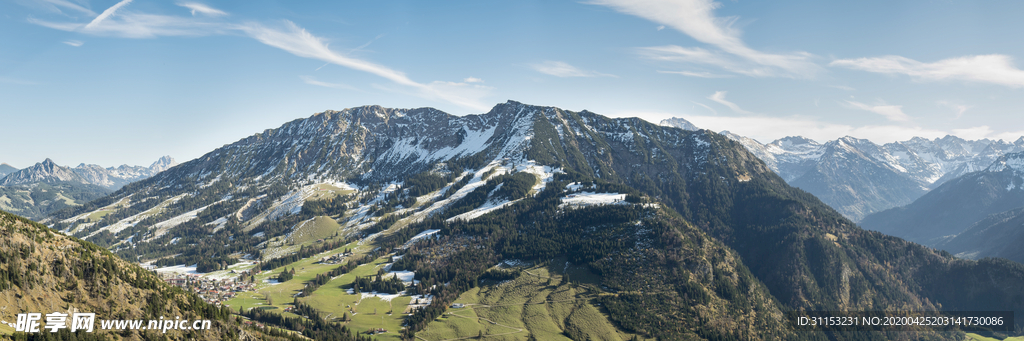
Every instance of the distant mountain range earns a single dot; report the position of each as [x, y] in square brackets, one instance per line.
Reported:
[858, 177]
[46, 186]
[976, 215]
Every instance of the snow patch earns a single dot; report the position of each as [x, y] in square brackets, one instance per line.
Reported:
[590, 198]
[487, 207]
[181, 269]
[404, 276]
[381, 296]
[419, 236]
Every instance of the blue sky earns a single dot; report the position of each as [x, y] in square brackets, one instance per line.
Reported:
[124, 82]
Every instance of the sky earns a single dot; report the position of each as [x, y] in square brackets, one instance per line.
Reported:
[125, 82]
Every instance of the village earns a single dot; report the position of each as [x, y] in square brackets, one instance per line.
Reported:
[213, 291]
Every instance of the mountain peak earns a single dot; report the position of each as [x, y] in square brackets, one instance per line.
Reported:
[678, 122]
[162, 164]
[1011, 161]
[45, 171]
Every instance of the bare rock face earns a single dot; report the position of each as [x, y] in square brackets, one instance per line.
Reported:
[46, 171]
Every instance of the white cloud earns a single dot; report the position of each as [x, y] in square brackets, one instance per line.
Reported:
[141, 25]
[74, 43]
[696, 18]
[291, 38]
[719, 96]
[703, 105]
[661, 27]
[563, 69]
[298, 41]
[106, 14]
[993, 68]
[696, 74]
[696, 55]
[891, 112]
[312, 81]
[959, 108]
[766, 129]
[201, 8]
[69, 5]
[842, 87]
[973, 133]
[473, 80]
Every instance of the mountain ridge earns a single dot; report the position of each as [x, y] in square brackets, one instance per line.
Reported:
[387, 175]
[843, 171]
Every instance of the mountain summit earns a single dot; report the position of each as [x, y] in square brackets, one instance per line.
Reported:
[46, 171]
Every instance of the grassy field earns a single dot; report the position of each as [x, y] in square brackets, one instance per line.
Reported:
[331, 299]
[324, 191]
[320, 227]
[364, 312]
[536, 303]
[976, 337]
[281, 295]
[96, 216]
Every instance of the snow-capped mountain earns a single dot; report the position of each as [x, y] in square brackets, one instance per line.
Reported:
[373, 149]
[111, 178]
[647, 206]
[956, 205]
[858, 177]
[46, 171]
[46, 186]
[116, 177]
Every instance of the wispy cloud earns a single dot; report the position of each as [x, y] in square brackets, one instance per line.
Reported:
[142, 25]
[57, 4]
[312, 81]
[993, 68]
[473, 80]
[297, 41]
[563, 69]
[959, 108]
[842, 87]
[891, 112]
[74, 43]
[719, 96]
[106, 14]
[766, 129]
[697, 19]
[288, 37]
[696, 74]
[713, 111]
[202, 9]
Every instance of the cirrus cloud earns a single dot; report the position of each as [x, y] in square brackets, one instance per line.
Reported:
[891, 112]
[993, 68]
[697, 19]
[563, 69]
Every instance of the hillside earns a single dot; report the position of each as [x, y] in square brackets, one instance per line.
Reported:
[950, 209]
[998, 235]
[686, 233]
[45, 272]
